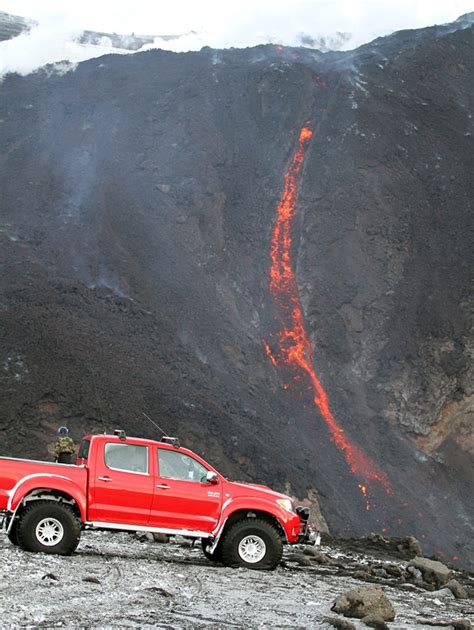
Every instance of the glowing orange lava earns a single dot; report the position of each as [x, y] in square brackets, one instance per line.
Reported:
[294, 348]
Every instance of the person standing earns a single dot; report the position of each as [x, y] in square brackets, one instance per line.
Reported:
[64, 449]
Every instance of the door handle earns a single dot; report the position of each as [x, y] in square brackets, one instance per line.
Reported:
[163, 486]
[105, 478]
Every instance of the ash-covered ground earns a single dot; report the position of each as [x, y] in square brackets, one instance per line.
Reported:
[115, 580]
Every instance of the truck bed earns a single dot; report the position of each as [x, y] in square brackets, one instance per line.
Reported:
[13, 470]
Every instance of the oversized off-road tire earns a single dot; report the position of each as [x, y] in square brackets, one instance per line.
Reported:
[50, 527]
[252, 543]
[213, 557]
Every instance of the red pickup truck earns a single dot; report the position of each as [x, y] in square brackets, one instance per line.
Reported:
[133, 484]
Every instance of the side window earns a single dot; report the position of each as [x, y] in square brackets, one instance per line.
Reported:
[175, 465]
[128, 457]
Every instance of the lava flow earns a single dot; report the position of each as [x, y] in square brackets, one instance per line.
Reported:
[294, 348]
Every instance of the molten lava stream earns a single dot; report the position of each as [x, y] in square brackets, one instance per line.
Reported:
[294, 348]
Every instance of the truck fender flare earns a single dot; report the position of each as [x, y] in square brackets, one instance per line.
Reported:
[231, 506]
[37, 481]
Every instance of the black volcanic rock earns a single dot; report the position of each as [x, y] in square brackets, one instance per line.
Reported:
[138, 195]
[13, 25]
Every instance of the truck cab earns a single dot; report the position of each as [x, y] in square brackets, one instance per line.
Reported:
[141, 483]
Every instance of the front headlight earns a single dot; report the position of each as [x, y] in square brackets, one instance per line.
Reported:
[286, 504]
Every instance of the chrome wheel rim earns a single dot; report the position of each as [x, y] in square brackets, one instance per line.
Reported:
[49, 532]
[252, 549]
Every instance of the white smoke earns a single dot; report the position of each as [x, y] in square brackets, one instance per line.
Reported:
[292, 22]
[52, 40]
[343, 24]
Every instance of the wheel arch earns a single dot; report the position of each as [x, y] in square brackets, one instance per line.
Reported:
[57, 489]
[240, 514]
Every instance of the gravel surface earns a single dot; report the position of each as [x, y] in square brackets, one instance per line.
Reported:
[114, 580]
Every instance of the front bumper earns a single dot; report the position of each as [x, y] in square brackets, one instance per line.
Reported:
[307, 534]
[310, 537]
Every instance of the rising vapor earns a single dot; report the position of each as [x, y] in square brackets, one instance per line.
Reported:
[321, 24]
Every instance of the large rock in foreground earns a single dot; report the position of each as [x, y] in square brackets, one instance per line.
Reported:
[364, 601]
[433, 572]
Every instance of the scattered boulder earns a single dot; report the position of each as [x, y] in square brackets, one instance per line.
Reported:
[377, 544]
[394, 570]
[161, 538]
[409, 547]
[317, 556]
[433, 571]
[159, 590]
[406, 547]
[50, 576]
[363, 601]
[443, 593]
[374, 621]
[144, 536]
[362, 575]
[415, 576]
[456, 624]
[300, 559]
[92, 579]
[360, 566]
[457, 589]
[414, 573]
[340, 624]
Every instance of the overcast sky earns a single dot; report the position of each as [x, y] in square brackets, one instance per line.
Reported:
[218, 23]
[155, 17]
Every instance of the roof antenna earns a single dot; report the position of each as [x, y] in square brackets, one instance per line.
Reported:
[166, 438]
[154, 423]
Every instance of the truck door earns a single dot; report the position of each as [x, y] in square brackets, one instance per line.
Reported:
[183, 499]
[121, 490]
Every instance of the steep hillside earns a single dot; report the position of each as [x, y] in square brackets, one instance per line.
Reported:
[140, 196]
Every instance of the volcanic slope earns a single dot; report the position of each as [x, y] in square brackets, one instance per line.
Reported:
[139, 199]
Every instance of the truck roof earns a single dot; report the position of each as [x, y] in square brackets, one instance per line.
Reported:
[139, 441]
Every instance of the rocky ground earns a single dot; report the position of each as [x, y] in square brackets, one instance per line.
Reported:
[120, 581]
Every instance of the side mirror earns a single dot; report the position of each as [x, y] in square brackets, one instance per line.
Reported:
[212, 477]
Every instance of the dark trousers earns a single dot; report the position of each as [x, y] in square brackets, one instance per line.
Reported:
[66, 458]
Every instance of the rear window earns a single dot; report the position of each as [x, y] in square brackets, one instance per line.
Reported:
[84, 449]
[129, 457]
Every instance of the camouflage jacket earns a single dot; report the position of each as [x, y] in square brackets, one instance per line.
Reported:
[64, 445]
